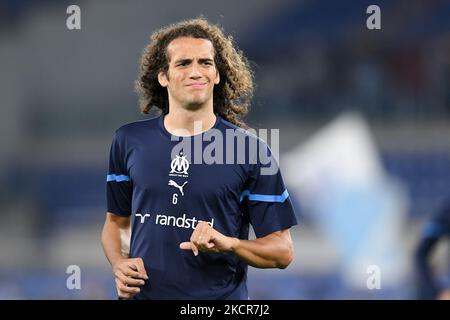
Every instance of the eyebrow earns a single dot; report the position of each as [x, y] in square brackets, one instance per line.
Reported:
[205, 60]
[201, 60]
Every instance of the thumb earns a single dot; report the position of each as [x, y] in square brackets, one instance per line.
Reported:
[185, 246]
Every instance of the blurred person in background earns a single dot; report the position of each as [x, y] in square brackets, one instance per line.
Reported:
[436, 230]
[189, 237]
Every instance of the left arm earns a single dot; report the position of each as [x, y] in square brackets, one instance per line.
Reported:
[274, 250]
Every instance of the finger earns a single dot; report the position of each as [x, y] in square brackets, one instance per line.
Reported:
[203, 240]
[194, 239]
[186, 246]
[139, 264]
[211, 238]
[203, 227]
[129, 271]
[132, 290]
[195, 234]
[194, 249]
[128, 280]
[124, 295]
[200, 233]
[189, 246]
[124, 289]
[208, 238]
[202, 224]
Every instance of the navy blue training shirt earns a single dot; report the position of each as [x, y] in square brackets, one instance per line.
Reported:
[168, 190]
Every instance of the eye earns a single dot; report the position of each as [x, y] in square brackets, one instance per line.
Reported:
[183, 63]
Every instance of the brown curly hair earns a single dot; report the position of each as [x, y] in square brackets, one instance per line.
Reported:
[232, 95]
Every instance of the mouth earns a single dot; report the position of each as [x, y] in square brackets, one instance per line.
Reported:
[196, 85]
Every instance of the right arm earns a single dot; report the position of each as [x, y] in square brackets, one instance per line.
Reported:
[427, 287]
[128, 273]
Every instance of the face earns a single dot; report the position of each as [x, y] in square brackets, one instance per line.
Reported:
[192, 73]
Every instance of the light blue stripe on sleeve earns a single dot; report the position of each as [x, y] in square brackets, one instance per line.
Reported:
[434, 230]
[118, 178]
[265, 197]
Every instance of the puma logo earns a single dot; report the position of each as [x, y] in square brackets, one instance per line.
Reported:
[174, 184]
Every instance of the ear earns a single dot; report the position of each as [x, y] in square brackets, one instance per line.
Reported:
[217, 79]
[162, 79]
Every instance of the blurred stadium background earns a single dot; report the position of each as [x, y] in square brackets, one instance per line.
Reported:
[364, 119]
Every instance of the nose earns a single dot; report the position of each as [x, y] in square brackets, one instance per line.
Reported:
[195, 72]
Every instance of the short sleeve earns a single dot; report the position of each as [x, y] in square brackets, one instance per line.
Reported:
[118, 183]
[266, 200]
[439, 224]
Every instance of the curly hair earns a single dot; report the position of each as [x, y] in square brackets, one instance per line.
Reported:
[231, 97]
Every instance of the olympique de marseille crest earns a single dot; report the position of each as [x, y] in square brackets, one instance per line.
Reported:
[179, 165]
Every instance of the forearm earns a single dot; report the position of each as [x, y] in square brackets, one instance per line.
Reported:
[266, 252]
[115, 241]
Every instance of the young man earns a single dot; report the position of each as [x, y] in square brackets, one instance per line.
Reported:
[189, 237]
[436, 230]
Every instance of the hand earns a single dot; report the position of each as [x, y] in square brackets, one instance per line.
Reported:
[444, 294]
[129, 275]
[207, 239]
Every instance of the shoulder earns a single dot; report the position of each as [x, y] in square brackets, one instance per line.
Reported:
[248, 142]
[135, 128]
[442, 216]
[250, 133]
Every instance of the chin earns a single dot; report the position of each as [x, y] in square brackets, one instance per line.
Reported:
[195, 104]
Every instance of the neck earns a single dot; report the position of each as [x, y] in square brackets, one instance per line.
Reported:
[183, 122]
